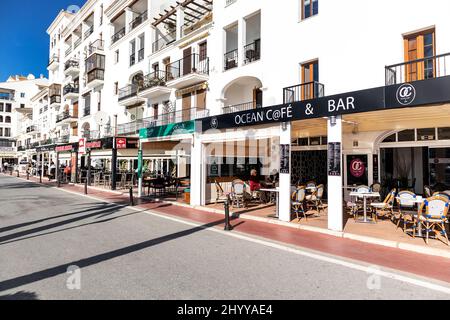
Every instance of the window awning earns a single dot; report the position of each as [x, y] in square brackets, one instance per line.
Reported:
[201, 86]
[194, 11]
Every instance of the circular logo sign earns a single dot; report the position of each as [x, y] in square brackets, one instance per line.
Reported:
[357, 168]
[214, 123]
[406, 94]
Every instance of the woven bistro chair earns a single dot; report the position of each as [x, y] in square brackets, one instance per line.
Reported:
[435, 217]
[298, 201]
[238, 194]
[406, 204]
[315, 200]
[442, 194]
[376, 187]
[385, 208]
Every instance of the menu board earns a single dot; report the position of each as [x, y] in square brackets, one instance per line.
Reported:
[376, 177]
[285, 157]
[334, 159]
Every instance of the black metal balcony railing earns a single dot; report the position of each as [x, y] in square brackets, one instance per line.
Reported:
[96, 75]
[118, 35]
[68, 114]
[62, 139]
[141, 54]
[71, 88]
[252, 51]
[89, 32]
[188, 65]
[132, 59]
[68, 51]
[231, 59]
[138, 20]
[155, 79]
[241, 107]
[164, 41]
[304, 91]
[128, 91]
[77, 43]
[71, 64]
[55, 99]
[421, 69]
[98, 45]
[31, 129]
[21, 148]
[133, 128]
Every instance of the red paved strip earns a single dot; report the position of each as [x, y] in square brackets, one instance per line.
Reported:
[423, 265]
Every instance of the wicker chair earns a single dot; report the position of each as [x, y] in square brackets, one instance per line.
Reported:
[435, 217]
[315, 200]
[406, 203]
[238, 195]
[220, 193]
[385, 208]
[298, 200]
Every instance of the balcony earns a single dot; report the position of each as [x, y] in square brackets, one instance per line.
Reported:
[95, 69]
[421, 69]
[72, 68]
[241, 107]
[97, 46]
[303, 92]
[7, 96]
[71, 91]
[164, 41]
[53, 64]
[32, 129]
[68, 51]
[88, 32]
[138, 20]
[231, 60]
[67, 116]
[63, 139]
[118, 35]
[128, 96]
[188, 71]
[55, 101]
[77, 43]
[95, 134]
[154, 85]
[229, 2]
[252, 51]
[133, 128]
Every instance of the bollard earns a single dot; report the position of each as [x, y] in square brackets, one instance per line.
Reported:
[228, 226]
[40, 178]
[10, 172]
[28, 175]
[58, 182]
[131, 197]
[18, 175]
[86, 186]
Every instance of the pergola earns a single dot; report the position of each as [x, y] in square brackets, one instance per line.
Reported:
[194, 11]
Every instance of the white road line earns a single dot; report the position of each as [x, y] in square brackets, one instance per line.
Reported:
[316, 256]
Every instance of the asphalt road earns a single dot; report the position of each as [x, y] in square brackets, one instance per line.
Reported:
[125, 254]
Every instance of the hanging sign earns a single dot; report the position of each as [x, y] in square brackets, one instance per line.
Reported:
[285, 157]
[82, 146]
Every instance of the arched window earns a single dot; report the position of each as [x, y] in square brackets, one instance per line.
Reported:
[8, 119]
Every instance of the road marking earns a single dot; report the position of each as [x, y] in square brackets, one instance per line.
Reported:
[286, 248]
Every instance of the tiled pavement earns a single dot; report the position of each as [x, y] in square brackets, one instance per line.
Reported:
[405, 261]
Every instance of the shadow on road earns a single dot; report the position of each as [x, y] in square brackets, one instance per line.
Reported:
[21, 295]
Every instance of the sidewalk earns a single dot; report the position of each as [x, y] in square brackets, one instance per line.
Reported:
[402, 260]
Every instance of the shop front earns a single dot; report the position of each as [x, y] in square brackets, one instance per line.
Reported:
[67, 162]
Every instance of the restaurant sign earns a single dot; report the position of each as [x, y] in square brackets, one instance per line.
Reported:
[418, 93]
[49, 148]
[172, 129]
[67, 148]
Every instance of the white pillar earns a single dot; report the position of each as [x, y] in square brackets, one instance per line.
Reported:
[284, 200]
[241, 41]
[180, 22]
[197, 165]
[335, 183]
[128, 19]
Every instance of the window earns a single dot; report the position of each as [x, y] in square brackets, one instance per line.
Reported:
[406, 135]
[444, 133]
[1, 118]
[22, 94]
[1, 132]
[309, 8]
[116, 56]
[141, 48]
[310, 76]
[132, 52]
[420, 46]
[155, 111]
[22, 106]
[2, 107]
[7, 119]
[8, 107]
[203, 49]
[7, 132]
[116, 88]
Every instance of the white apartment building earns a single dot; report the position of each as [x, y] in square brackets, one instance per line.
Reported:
[121, 66]
[15, 101]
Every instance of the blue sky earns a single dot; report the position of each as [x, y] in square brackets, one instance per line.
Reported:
[25, 41]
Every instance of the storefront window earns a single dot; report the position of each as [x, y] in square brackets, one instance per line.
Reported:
[426, 134]
[444, 133]
[406, 135]
[315, 141]
[391, 138]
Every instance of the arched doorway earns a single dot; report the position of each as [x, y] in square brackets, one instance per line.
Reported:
[241, 94]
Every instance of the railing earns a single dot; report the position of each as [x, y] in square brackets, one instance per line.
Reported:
[87, 111]
[241, 107]
[188, 65]
[161, 120]
[304, 91]
[96, 134]
[118, 35]
[68, 51]
[421, 69]
[55, 99]
[229, 2]
[141, 54]
[31, 129]
[132, 59]
[68, 114]
[63, 139]
[71, 64]
[231, 59]
[77, 43]
[21, 148]
[53, 59]
[89, 32]
[138, 20]
[96, 45]
[252, 51]
[71, 88]
[155, 79]
[128, 91]
[164, 41]
[96, 75]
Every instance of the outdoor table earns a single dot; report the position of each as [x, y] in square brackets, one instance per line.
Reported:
[277, 191]
[418, 201]
[365, 195]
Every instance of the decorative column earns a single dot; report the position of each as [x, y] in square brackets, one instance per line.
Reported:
[197, 166]
[335, 180]
[284, 195]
